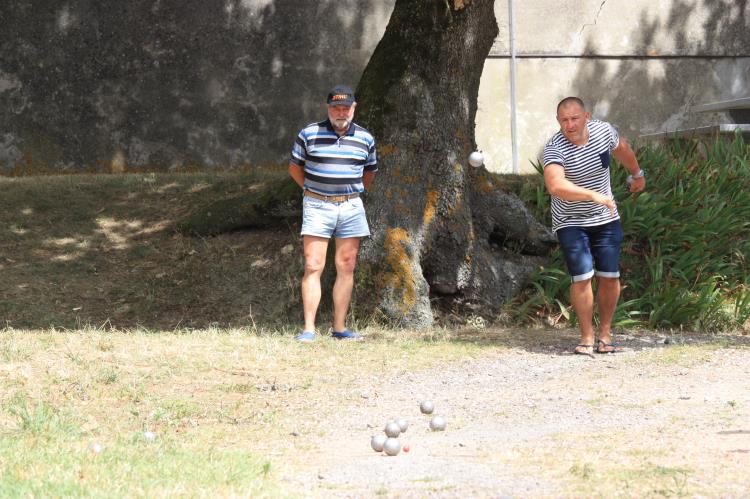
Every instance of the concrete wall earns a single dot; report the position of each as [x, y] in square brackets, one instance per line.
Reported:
[641, 64]
[170, 84]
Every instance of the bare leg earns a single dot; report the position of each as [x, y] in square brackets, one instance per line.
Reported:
[315, 259]
[346, 259]
[607, 294]
[582, 298]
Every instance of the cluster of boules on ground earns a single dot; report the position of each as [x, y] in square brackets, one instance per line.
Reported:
[388, 441]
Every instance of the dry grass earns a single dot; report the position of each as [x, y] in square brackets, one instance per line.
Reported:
[229, 399]
[191, 340]
[665, 463]
[683, 454]
[235, 410]
[103, 250]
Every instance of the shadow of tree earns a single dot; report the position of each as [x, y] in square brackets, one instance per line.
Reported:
[562, 341]
[653, 93]
[170, 84]
[156, 85]
[103, 250]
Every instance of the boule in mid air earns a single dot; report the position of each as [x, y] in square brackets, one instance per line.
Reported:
[476, 159]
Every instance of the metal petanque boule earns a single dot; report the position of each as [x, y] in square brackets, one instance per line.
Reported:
[476, 159]
[403, 424]
[437, 423]
[392, 429]
[426, 407]
[392, 446]
[377, 442]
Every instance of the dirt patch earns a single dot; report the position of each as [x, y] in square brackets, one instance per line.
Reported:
[659, 419]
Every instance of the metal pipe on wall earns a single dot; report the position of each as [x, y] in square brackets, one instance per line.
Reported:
[513, 130]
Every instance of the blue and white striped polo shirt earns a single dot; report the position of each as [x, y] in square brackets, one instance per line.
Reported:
[586, 166]
[334, 165]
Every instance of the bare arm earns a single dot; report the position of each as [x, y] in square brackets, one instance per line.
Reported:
[560, 187]
[367, 179]
[297, 174]
[625, 155]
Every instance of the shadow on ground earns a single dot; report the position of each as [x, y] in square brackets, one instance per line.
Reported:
[103, 251]
[563, 341]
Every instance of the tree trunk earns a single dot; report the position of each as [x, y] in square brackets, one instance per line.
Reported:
[441, 228]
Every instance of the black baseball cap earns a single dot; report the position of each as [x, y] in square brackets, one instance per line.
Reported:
[340, 95]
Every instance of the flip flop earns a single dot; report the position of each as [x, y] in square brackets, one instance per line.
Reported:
[604, 347]
[576, 350]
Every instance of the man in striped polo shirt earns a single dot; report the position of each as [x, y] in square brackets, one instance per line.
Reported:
[584, 214]
[333, 161]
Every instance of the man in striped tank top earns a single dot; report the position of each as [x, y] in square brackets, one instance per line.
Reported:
[333, 161]
[584, 214]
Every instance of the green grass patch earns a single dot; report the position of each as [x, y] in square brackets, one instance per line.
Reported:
[128, 467]
[39, 419]
[663, 480]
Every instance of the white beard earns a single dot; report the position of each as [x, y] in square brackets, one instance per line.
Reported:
[341, 124]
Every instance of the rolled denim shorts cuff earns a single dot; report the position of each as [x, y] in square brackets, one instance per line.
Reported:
[583, 277]
[611, 275]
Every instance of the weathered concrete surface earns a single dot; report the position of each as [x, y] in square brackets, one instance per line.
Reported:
[626, 27]
[171, 84]
[638, 96]
[163, 84]
[640, 64]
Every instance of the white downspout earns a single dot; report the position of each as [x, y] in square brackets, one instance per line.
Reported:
[513, 129]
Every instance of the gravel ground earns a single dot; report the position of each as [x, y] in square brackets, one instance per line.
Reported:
[520, 422]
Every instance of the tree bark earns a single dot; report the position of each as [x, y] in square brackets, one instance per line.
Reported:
[441, 228]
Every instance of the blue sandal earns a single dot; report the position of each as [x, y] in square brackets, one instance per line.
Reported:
[305, 337]
[346, 335]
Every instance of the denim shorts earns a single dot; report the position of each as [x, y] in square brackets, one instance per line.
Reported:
[592, 251]
[323, 219]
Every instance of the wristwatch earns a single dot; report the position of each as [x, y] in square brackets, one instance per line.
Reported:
[631, 177]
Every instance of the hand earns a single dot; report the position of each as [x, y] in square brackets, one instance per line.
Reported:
[637, 184]
[605, 201]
